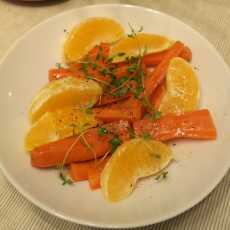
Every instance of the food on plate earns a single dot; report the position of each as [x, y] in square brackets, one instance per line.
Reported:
[59, 124]
[143, 42]
[89, 33]
[106, 114]
[131, 161]
[182, 85]
[68, 91]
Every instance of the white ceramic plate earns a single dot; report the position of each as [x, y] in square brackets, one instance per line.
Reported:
[200, 164]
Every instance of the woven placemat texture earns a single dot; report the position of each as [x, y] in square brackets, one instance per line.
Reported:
[209, 17]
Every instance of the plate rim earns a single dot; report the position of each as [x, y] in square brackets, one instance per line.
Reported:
[83, 222]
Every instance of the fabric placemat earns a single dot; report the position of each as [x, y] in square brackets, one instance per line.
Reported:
[210, 17]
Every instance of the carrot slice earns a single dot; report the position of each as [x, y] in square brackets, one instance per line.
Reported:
[195, 125]
[94, 174]
[79, 171]
[159, 73]
[55, 74]
[130, 110]
[154, 59]
[53, 154]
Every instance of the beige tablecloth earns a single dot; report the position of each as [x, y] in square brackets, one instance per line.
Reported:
[210, 17]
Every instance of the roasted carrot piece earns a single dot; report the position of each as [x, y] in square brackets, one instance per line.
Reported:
[195, 125]
[53, 154]
[94, 174]
[120, 128]
[79, 171]
[55, 74]
[158, 95]
[153, 59]
[102, 50]
[186, 54]
[159, 73]
[130, 110]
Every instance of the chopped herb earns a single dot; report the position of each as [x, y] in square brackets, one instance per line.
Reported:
[84, 67]
[102, 131]
[94, 66]
[133, 68]
[120, 92]
[115, 142]
[110, 59]
[156, 115]
[146, 136]
[58, 65]
[105, 71]
[98, 57]
[65, 179]
[117, 82]
[138, 91]
[120, 54]
[162, 176]
[134, 32]
[88, 108]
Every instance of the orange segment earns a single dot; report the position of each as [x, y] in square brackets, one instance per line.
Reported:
[143, 41]
[134, 159]
[59, 124]
[89, 33]
[67, 91]
[182, 88]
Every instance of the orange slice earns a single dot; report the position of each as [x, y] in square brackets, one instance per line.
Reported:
[89, 33]
[67, 91]
[182, 88]
[134, 159]
[142, 42]
[59, 124]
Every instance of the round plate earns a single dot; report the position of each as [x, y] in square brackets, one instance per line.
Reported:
[199, 165]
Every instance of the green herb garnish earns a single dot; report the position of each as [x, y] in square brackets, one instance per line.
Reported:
[58, 65]
[162, 176]
[65, 179]
[133, 68]
[120, 92]
[102, 131]
[115, 142]
[94, 66]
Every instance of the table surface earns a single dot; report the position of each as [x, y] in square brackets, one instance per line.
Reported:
[210, 17]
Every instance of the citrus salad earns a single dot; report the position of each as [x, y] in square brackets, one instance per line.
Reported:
[107, 112]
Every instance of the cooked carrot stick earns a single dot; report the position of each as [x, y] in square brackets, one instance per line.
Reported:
[186, 54]
[159, 73]
[158, 95]
[73, 148]
[55, 74]
[79, 171]
[195, 125]
[154, 59]
[99, 52]
[120, 128]
[94, 174]
[130, 110]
